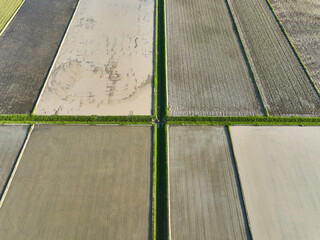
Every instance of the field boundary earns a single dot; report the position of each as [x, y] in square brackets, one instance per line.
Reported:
[156, 56]
[238, 182]
[294, 48]
[49, 72]
[15, 166]
[12, 17]
[240, 37]
[155, 173]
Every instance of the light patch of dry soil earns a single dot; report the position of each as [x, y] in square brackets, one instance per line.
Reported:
[279, 173]
[301, 19]
[81, 182]
[105, 64]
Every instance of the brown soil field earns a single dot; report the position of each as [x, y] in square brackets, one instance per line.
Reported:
[279, 174]
[81, 182]
[11, 140]
[204, 201]
[207, 73]
[301, 19]
[286, 88]
[105, 64]
[27, 48]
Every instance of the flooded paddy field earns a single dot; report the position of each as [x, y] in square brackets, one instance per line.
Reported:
[11, 140]
[105, 63]
[81, 182]
[279, 174]
[207, 73]
[204, 201]
[28, 46]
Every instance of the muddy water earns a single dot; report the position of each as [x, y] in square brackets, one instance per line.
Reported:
[105, 64]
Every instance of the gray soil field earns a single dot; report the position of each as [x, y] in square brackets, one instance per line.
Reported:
[207, 72]
[285, 87]
[279, 173]
[105, 64]
[204, 200]
[81, 182]
[11, 141]
[27, 48]
[301, 19]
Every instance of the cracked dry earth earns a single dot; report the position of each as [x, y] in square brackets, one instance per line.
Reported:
[105, 63]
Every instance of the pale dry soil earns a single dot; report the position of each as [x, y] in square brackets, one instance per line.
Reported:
[204, 200]
[279, 174]
[301, 19]
[27, 48]
[11, 140]
[105, 64]
[81, 182]
[207, 72]
[285, 87]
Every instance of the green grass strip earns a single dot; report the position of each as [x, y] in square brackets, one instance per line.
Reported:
[162, 184]
[58, 119]
[231, 123]
[294, 48]
[162, 84]
[156, 49]
[155, 174]
[247, 56]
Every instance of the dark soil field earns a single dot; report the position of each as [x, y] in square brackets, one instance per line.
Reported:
[27, 49]
[286, 88]
[301, 19]
[81, 182]
[207, 73]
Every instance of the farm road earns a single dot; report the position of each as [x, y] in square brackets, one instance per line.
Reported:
[27, 49]
[285, 86]
[81, 182]
[207, 74]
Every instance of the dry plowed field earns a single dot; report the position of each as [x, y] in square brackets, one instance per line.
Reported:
[207, 73]
[7, 9]
[81, 182]
[204, 200]
[11, 140]
[105, 64]
[27, 48]
[301, 19]
[279, 173]
[283, 82]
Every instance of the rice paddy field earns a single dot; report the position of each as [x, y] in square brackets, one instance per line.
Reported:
[153, 119]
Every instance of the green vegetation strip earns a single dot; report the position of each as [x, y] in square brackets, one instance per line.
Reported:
[156, 54]
[247, 57]
[56, 119]
[294, 48]
[155, 175]
[7, 11]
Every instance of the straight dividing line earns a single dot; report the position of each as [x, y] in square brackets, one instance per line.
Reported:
[15, 13]
[165, 56]
[155, 162]
[242, 196]
[55, 58]
[294, 48]
[234, 20]
[156, 54]
[16, 166]
[168, 182]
